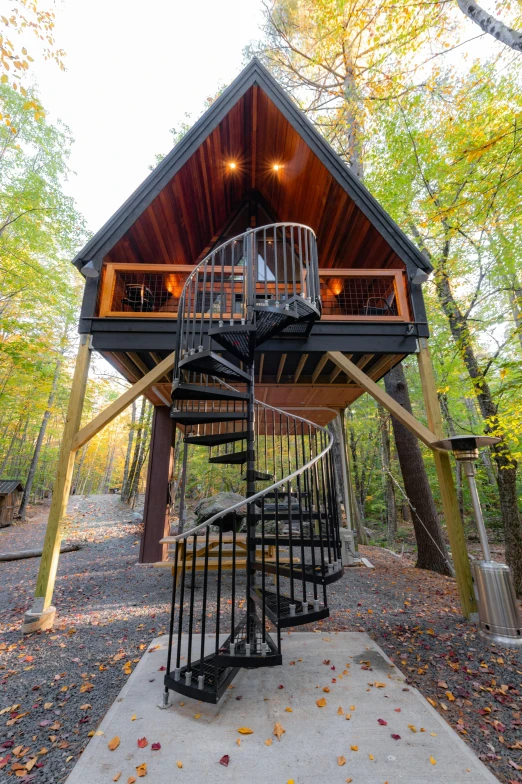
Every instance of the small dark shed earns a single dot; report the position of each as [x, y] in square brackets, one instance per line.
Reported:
[10, 499]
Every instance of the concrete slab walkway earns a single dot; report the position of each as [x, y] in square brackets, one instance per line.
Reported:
[393, 735]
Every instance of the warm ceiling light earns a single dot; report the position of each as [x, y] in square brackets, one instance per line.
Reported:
[232, 165]
[276, 166]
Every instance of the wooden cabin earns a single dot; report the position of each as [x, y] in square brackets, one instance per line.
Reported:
[252, 160]
[10, 499]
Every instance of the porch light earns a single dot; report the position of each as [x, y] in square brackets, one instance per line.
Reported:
[499, 618]
[232, 165]
[276, 166]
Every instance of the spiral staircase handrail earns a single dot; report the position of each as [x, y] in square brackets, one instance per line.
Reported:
[270, 488]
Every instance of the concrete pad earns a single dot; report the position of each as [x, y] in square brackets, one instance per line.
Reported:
[199, 735]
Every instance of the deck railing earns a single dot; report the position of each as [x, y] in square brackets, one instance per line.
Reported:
[153, 291]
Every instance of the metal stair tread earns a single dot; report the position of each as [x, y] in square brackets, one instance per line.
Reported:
[182, 391]
[230, 458]
[206, 417]
[217, 439]
[284, 619]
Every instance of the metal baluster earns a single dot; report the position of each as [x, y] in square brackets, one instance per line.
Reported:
[204, 610]
[191, 610]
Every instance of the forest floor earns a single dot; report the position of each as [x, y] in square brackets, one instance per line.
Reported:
[57, 685]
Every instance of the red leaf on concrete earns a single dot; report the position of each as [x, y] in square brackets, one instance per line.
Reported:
[382, 722]
[156, 746]
[395, 737]
[225, 759]
[142, 742]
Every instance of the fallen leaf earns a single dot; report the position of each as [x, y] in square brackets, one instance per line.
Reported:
[348, 781]
[179, 764]
[348, 716]
[133, 718]
[433, 761]
[341, 761]
[380, 685]
[289, 710]
[320, 703]
[352, 707]
[354, 748]
[412, 727]
[432, 702]
[225, 759]
[450, 696]
[382, 722]
[268, 742]
[326, 689]
[156, 746]
[86, 706]
[238, 741]
[245, 731]
[117, 776]
[278, 730]
[142, 742]
[114, 743]
[395, 736]
[371, 756]
[340, 711]
[48, 705]
[131, 780]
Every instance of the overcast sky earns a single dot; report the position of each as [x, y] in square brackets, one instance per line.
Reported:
[134, 69]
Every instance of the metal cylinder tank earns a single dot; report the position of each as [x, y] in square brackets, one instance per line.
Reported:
[499, 616]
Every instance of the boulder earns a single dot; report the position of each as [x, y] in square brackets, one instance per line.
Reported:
[208, 507]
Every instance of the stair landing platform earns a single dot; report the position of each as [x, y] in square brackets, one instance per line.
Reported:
[198, 735]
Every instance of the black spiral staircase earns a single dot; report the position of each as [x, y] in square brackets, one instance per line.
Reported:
[259, 285]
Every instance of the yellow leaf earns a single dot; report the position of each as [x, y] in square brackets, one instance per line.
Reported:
[341, 761]
[141, 770]
[197, 715]
[133, 717]
[326, 689]
[340, 711]
[85, 706]
[238, 741]
[179, 764]
[371, 756]
[131, 779]
[348, 716]
[289, 710]
[412, 727]
[117, 776]
[245, 731]
[450, 696]
[114, 743]
[352, 707]
[354, 748]
[268, 742]
[433, 761]
[321, 703]
[278, 730]
[432, 702]
[380, 685]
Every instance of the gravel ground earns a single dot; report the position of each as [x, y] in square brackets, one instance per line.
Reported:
[59, 684]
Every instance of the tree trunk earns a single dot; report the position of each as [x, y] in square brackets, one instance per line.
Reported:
[431, 548]
[129, 452]
[506, 463]
[41, 435]
[338, 466]
[390, 511]
[126, 491]
[506, 35]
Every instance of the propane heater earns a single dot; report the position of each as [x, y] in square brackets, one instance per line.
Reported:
[499, 618]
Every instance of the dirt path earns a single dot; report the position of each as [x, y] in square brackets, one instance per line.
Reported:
[63, 681]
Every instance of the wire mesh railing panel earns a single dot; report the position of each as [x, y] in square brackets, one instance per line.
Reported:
[367, 295]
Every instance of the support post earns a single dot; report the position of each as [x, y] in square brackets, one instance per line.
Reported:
[155, 509]
[448, 491]
[41, 615]
[344, 466]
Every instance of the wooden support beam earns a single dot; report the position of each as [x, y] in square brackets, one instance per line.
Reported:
[300, 367]
[320, 365]
[281, 366]
[366, 383]
[41, 615]
[167, 378]
[335, 372]
[119, 405]
[450, 502]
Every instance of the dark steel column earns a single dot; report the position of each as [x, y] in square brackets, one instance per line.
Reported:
[155, 511]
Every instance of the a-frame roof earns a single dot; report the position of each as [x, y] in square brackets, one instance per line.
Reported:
[319, 189]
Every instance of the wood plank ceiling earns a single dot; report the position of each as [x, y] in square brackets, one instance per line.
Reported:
[193, 209]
